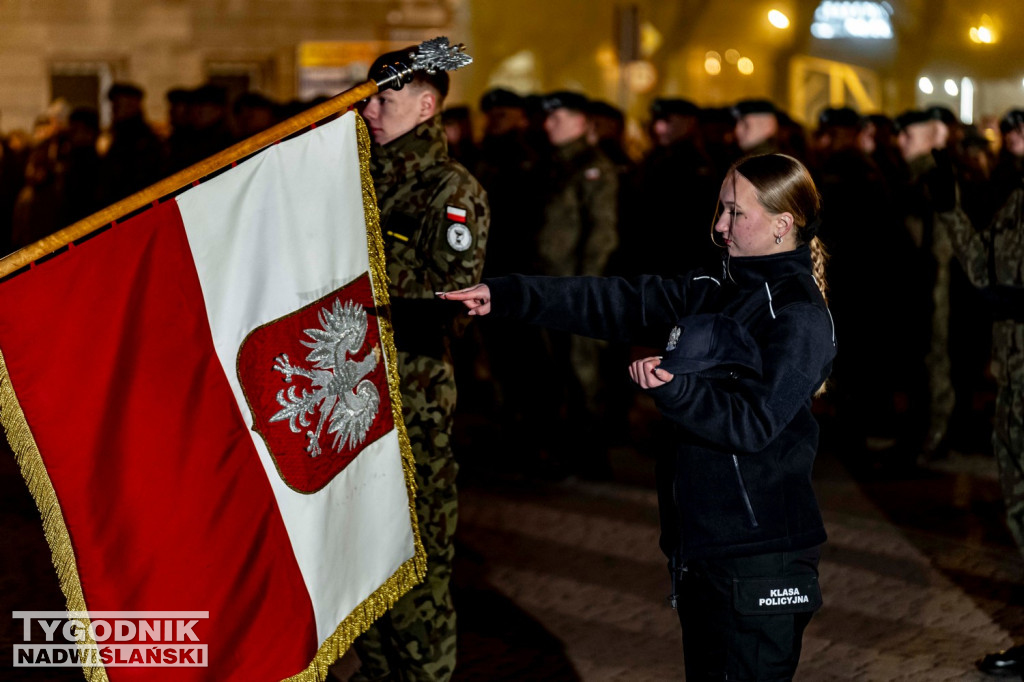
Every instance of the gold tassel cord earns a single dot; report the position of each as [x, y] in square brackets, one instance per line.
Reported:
[414, 570]
[33, 470]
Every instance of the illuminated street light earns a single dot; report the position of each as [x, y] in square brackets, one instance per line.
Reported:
[712, 66]
[732, 56]
[925, 85]
[778, 19]
[745, 66]
[967, 100]
[950, 87]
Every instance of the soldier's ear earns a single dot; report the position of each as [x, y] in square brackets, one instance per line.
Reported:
[428, 104]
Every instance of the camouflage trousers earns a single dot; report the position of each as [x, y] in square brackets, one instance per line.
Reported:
[415, 641]
[1008, 431]
[941, 397]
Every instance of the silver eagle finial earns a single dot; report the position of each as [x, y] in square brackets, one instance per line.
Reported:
[433, 55]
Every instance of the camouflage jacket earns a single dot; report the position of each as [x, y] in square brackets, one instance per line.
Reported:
[580, 229]
[434, 218]
[993, 258]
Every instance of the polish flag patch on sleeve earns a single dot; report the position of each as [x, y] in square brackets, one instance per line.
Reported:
[457, 215]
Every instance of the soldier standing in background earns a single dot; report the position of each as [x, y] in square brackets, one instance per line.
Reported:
[434, 219]
[918, 133]
[677, 167]
[757, 127]
[135, 159]
[993, 259]
[577, 237]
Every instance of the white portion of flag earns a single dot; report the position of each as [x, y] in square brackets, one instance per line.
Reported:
[281, 230]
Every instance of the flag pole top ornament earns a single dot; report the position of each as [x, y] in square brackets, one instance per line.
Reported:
[433, 55]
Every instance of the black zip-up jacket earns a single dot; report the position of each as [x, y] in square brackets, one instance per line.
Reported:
[739, 483]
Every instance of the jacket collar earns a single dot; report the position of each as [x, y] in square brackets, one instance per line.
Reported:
[423, 146]
[753, 271]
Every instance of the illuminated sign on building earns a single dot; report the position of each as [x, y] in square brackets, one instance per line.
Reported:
[852, 20]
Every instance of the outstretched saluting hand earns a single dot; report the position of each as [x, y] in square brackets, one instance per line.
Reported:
[477, 298]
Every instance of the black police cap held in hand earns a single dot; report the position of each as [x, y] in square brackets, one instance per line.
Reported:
[699, 342]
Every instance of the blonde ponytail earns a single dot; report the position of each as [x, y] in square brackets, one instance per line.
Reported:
[819, 257]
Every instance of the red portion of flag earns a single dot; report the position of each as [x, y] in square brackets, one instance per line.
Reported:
[307, 378]
[166, 502]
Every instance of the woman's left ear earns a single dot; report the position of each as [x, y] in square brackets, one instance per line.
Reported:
[783, 224]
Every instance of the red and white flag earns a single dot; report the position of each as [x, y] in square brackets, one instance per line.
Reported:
[203, 401]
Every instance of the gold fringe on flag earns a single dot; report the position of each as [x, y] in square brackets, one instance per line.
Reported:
[413, 571]
[33, 470]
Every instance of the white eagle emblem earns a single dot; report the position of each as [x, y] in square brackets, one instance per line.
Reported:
[673, 338]
[340, 391]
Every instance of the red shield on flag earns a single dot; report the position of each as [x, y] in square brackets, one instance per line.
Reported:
[317, 385]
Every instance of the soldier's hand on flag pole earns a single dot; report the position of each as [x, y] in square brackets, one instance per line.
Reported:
[645, 373]
[477, 298]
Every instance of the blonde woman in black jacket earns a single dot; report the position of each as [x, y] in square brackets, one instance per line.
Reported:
[746, 350]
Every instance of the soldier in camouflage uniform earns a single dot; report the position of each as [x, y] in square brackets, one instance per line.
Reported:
[577, 237]
[434, 218]
[917, 137]
[993, 259]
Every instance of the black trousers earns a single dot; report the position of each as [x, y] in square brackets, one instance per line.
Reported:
[744, 618]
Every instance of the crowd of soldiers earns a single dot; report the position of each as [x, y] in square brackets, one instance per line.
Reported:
[911, 326]
[68, 167]
[572, 193]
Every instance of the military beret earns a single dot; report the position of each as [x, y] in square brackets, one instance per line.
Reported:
[124, 90]
[438, 80]
[1012, 120]
[459, 113]
[564, 99]
[598, 108]
[664, 106]
[210, 94]
[839, 117]
[942, 113]
[909, 118]
[499, 97]
[699, 342]
[179, 95]
[753, 106]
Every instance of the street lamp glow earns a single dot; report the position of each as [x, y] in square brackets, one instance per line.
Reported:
[712, 66]
[778, 19]
[967, 100]
[950, 87]
[924, 84]
[985, 34]
[745, 66]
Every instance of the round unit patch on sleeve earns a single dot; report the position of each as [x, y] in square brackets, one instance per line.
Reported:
[459, 237]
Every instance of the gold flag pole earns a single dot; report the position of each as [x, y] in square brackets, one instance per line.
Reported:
[432, 55]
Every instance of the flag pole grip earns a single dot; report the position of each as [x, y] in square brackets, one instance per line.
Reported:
[183, 178]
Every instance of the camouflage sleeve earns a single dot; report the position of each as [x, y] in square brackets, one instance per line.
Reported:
[599, 205]
[458, 226]
[969, 246]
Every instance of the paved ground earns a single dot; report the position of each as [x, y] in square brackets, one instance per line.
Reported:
[564, 581]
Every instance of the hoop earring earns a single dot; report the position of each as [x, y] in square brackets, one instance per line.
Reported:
[778, 239]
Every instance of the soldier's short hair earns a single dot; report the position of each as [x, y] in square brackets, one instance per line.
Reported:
[439, 80]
